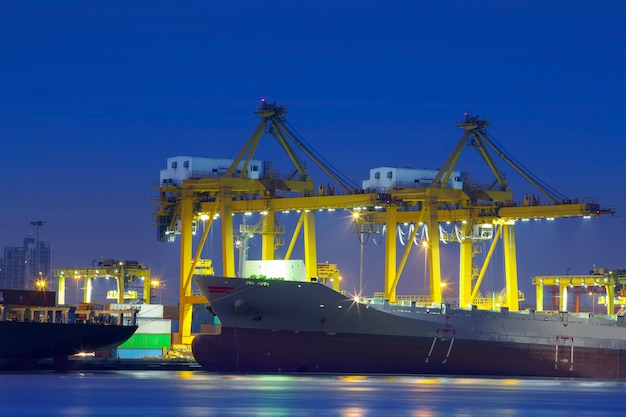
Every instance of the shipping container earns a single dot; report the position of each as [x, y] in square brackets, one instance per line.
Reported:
[138, 353]
[148, 341]
[28, 298]
[153, 326]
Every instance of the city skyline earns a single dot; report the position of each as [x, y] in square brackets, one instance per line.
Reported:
[27, 267]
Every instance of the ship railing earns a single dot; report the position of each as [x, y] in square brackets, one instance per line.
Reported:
[418, 299]
[379, 297]
[126, 317]
[566, 317]
[36, 314]
[66, 314]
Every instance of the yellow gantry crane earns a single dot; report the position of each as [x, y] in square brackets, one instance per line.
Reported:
[472, 208]
[202, 199]
[123, 272]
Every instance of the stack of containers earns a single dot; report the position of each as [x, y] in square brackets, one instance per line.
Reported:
[153, 338]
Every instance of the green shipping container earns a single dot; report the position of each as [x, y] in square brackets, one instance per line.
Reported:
[147, 341]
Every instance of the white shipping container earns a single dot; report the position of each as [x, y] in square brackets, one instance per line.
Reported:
[289, 270]
[151, 311]
[154, 326]
[154, 311]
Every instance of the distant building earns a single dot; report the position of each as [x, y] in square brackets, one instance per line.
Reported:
[21, 266]
[386, 178]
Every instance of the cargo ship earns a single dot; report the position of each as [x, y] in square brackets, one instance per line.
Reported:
[278, 326]
[32, 328]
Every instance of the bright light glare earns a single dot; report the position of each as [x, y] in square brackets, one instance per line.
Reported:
[85, 354]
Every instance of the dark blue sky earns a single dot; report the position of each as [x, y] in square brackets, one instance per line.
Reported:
[95, 96]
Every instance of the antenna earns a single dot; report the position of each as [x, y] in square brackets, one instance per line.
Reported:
[37, 225]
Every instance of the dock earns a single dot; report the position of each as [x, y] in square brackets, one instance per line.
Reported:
[106, 364]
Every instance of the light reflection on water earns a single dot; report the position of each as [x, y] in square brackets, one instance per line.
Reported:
[197, 393]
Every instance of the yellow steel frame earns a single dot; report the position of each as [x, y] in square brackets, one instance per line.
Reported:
[563, 282]
[432, 205]
[86, 275]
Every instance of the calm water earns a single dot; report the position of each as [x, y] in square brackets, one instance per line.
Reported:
[197, 393]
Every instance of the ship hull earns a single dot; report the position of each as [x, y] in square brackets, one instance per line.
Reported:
[30, 340]
[266, 351]
[291, 327]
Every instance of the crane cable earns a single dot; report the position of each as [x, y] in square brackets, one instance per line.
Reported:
[319, 157]
[530, 174]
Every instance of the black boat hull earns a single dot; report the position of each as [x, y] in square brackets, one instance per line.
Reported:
[269, 351]
[273, 326]
[32, 340]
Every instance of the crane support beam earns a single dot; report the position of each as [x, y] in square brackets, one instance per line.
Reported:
[348, 201]
[448, 166]
[495, 214]
[390, 254]
[196, 258]
[415, 195]
[432, 223]
[248, 149]
[466, 267]
[185, 310]
[483, 270]
[484, 154]
[539, 297]
[310, 247]
[510, 267]
[405, 256]
[268, 236]
[277, 132]
[294, 236]
[228, 245]
[235, 184]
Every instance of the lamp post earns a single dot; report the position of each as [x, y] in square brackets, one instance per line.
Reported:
[156, 284]
[593, 301]
[444, 285]
[359, 230]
